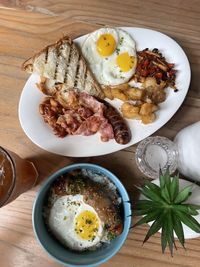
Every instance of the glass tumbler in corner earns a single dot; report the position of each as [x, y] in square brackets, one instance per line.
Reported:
[17, 175]
[156, 153]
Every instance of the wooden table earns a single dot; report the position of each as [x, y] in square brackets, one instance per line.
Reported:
[26, 26]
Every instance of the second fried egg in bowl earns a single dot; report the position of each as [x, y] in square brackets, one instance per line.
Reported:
[82, 215]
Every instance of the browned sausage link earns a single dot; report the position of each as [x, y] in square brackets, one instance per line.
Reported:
[121, 130]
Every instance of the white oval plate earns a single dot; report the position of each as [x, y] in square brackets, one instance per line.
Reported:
[84, 146]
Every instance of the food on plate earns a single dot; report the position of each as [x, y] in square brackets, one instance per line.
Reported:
[149, 118]
[118, 93]
[121, 130]
[128, 93]
[71, 108]
[135, 93]
[107, 65]
[111, 55]
[147, 108]
[145, 112]
[61, 66]
[146, 87]
[82, 114]
[153, 64]
[154, 92]
[130, 111]
[83, 210]
[108, 92]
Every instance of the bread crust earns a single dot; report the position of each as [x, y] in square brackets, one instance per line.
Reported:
[63, 63]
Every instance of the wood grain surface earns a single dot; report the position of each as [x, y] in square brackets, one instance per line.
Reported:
[25, 27]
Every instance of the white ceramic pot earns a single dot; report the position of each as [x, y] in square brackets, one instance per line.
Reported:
[188, 145]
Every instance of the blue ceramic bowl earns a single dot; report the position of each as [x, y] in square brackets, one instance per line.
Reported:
[59, 252]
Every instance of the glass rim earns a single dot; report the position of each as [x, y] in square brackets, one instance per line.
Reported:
[171, 151]
[11, 188]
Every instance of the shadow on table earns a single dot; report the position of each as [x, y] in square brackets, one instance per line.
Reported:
[48, 163]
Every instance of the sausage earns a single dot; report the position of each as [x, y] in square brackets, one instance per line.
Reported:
[121, 130]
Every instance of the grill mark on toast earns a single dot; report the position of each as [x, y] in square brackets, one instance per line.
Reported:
[69, 67]
[63, 57]
[77, 71]
[85, 77]
[81, 74]
[68, 63]
[56, 68]
[73, 66]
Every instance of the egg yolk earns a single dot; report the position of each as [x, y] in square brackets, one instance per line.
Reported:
[87, 225]
[125, 62]
[106, 45]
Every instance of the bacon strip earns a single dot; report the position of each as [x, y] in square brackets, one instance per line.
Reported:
[82, 115]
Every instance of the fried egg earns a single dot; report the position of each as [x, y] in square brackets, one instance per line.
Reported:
[75, 223]
[111, 55]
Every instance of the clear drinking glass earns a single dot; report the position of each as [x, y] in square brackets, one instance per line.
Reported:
[17, 175]
[154, 153]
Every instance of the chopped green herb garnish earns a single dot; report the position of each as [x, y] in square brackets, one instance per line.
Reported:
[106, 226]
[117, 51]
[87, 221]
[93, 238]
[121, 40]
[111, 235]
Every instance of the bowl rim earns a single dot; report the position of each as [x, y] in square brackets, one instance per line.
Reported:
[125, 199]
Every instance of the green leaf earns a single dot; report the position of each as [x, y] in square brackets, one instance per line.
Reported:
[151, 195]
[183, 195]
[167, 178]
[155, 227]
[178, 228]
[170, 235]
[165, 194]
[188, 220]
[164, 237]
[142, 212]
[174, 187]
[149, 217]
[144, 204]
[153, 187]
[193, 206]
[186, 208]
[144, 201]
[161, 179]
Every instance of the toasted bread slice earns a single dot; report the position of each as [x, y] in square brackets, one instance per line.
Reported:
[62, 63]
[47, 86]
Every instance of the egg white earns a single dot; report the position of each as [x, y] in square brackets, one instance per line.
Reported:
[62, 219]
[105, 69]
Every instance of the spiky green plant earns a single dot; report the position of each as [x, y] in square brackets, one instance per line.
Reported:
[164, 205]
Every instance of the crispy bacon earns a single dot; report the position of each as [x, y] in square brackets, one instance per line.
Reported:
[84, 112]
[90, 125]
[82, 115]
[91, 103]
